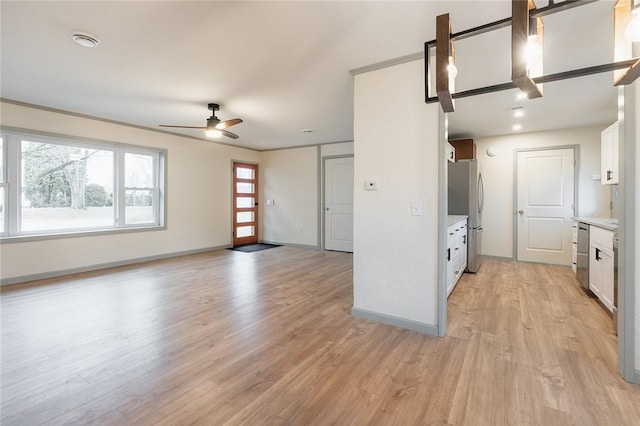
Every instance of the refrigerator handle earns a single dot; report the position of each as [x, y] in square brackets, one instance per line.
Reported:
[480, 193]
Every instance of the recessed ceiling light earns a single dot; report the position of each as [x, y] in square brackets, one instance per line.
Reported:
[517, 127]
[85, 40]
[518, 111]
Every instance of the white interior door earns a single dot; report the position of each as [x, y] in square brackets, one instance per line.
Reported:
[338, 204]
[545, 205]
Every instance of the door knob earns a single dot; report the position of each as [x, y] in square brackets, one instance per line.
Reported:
[326, 208]
[520, 211]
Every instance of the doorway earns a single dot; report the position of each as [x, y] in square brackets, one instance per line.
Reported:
[338, 204]
[245, 203]
[545, 205]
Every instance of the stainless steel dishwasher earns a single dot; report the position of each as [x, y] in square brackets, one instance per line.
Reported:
[582, 261]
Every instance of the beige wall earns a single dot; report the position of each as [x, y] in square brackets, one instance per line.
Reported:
[498, 175]
[395, 253]
[636, 241]
[199, 198]
[289, 177]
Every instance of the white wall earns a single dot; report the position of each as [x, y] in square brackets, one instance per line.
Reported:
[497, 172]
[344, 148]
[199, 198]
[395, 254]
[290, 178]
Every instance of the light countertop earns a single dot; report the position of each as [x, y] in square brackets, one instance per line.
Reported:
[601, 222]
[453, 218]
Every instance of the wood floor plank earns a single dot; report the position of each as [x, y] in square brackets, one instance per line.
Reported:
[267, 338]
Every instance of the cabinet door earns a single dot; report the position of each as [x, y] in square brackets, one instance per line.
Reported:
[451, 153]
[465, 149]
[463, 247]
[595, 270]
[609, 155]
[606, 288]
[451, 276]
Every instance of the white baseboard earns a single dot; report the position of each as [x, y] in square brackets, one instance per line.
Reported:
[97, 267]
[429, 329]
[279, 243]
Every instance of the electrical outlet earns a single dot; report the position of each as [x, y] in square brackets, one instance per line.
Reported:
[416, 209]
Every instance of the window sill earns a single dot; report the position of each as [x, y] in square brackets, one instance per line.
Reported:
[76, 234]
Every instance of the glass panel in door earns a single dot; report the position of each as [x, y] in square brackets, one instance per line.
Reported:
[245, 206]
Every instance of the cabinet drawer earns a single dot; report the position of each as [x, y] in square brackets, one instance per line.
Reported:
[601, 236]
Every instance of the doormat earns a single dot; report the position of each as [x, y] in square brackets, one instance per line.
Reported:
[250, 248]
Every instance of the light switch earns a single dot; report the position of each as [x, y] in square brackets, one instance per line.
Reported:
[416, 208]
[270, 201]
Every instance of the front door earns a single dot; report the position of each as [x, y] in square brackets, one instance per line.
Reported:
[245, 203]
[545, 205]
[338, 204]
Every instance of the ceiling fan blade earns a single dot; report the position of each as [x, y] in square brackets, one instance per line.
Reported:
[228, 123]
[184, 127]
[229, 134]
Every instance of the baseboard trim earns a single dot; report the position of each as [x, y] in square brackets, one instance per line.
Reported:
[100, 266]
[491, 257]
[429, 329]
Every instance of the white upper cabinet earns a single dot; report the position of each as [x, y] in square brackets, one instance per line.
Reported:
[451, 153]
[609, 155]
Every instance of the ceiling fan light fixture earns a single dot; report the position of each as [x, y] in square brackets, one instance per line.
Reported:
[85, 40]
[213, 133]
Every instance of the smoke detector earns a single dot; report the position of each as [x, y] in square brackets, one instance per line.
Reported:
[85, 40]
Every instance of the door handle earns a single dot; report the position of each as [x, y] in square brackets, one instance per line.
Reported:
[598, 257]
[609, 173]
[520, 211]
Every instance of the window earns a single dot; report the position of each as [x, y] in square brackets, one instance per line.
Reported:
[139, 188]
[65, 187]
[76, 186]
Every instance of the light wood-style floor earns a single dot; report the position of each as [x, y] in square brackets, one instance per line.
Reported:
[267, 338]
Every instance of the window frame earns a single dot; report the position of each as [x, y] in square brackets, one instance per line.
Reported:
[4, 184]
[12, 157]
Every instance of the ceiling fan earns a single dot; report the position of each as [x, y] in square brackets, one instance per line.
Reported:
[214, 128]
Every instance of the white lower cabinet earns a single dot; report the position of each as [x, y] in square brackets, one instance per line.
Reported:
[601, 265]
[456, 252]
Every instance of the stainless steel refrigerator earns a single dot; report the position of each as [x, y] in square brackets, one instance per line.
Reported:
[466, 197]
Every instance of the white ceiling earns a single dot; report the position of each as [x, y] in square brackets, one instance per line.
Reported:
[285, 66]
